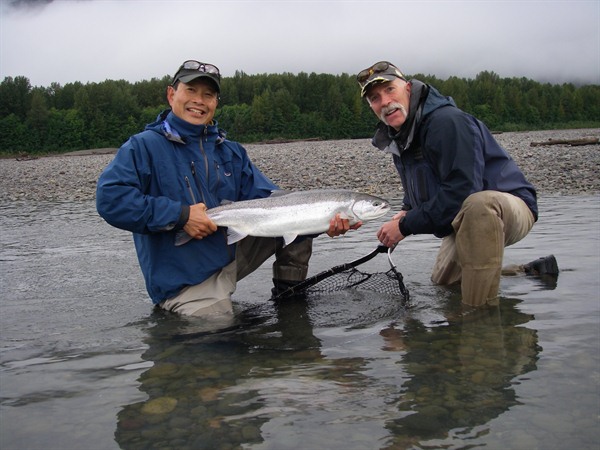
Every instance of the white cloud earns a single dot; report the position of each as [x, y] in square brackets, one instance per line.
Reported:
[67, 41]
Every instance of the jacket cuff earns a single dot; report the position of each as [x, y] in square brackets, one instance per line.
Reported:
[402, 227]
[183, 217]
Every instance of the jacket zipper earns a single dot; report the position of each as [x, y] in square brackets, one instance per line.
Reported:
[205, 159]
[189, 186]
[207, 174]
[199, 184]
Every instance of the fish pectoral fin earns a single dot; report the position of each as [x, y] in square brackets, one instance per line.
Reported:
[352, 219]
[233, 236]
[289, 238]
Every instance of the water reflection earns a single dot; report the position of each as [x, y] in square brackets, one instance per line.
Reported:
[225, 389]
[461, 375]
[190, 397]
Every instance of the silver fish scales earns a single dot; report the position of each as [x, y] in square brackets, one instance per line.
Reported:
[291, 214]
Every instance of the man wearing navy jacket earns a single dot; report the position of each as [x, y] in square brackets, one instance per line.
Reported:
[162, 181]
[459, 183]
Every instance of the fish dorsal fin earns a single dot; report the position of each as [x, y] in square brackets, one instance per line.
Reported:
[225, 202]
[233, 236]
[288, 238]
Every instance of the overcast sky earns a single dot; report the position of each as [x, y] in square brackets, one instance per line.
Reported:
[93, 40]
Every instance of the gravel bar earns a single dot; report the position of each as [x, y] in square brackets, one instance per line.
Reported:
[350, 164]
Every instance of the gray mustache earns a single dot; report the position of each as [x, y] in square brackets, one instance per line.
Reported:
[391, 107]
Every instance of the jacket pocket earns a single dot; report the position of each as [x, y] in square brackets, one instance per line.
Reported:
[225, 180]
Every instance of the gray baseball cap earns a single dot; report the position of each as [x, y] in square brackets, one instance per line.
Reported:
[190, 70]
[378, 73]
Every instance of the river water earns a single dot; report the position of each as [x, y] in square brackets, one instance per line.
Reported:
[85, 362]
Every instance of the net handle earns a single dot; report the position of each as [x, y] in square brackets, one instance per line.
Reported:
[399, 277]
[327, 273]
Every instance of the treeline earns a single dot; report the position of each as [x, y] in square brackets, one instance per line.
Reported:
[267, 107]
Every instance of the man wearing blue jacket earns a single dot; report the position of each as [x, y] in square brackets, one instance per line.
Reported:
[459, 183]
[163, 179]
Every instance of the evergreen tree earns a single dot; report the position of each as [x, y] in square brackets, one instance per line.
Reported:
[268, 106]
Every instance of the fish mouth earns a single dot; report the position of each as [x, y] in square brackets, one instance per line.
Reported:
[382, 210]
[374, 211]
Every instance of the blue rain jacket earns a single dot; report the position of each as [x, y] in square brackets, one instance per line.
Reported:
[149, 185]
[443, 155]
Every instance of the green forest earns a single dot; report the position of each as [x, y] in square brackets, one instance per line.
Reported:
[267, 107]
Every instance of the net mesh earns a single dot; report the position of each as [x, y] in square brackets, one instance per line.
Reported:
[347, 276]
[388, 283]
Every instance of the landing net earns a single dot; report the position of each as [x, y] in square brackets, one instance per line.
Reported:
[390, 283]
[347, 276]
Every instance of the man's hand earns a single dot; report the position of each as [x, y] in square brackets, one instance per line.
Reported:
[199, 224]
[339, 226]
[389, 234]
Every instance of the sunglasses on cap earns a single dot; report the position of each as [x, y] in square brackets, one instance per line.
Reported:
[380, 67]
[191, 65]
[381, 71]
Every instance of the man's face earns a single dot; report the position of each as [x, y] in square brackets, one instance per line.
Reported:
[195, 102]
[390, 101]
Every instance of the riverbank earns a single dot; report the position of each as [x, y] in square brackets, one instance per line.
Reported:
[352, 164]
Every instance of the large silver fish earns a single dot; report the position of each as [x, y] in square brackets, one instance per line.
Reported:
[291, 214]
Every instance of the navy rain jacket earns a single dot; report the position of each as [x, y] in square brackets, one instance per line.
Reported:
[149, 185]
[443, 155]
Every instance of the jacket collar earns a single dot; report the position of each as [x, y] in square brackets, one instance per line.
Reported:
[423, 100]
[180, 131]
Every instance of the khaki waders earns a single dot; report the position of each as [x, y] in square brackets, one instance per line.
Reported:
[212, 297]
[488, 222]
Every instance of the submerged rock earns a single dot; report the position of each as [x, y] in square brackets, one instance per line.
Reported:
[160, 405]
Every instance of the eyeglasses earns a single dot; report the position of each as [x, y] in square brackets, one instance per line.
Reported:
[200, 67]
[380, 67]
